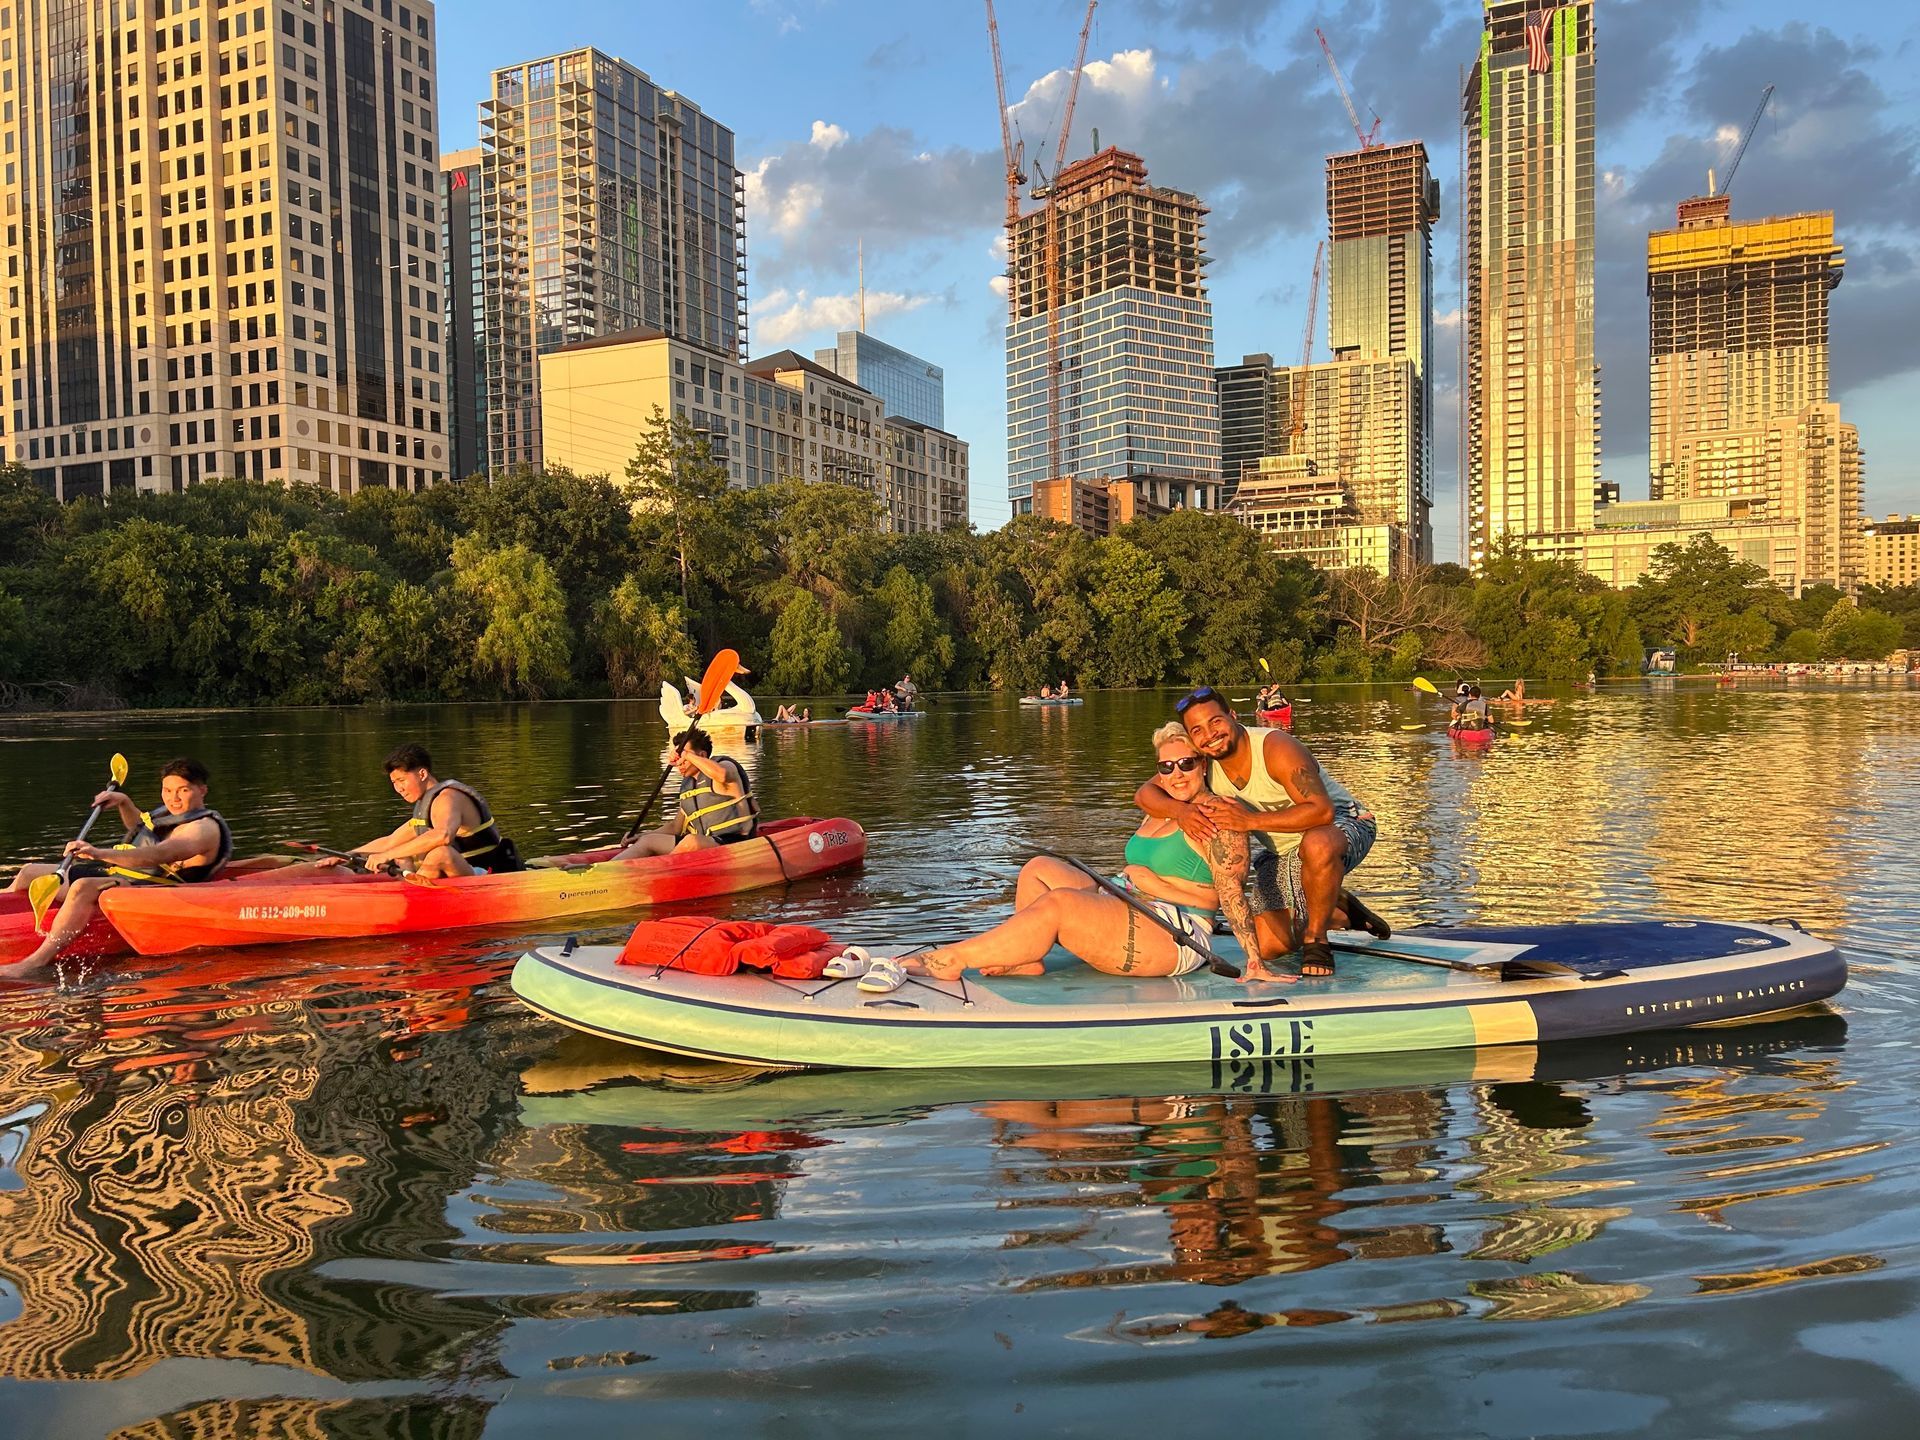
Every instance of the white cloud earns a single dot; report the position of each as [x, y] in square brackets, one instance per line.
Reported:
[781, 317]
[827, 135]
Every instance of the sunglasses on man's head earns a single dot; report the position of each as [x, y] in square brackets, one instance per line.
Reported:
[1184, 764]
[1205, 692]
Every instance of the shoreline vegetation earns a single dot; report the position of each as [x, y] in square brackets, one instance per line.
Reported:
[539, 584]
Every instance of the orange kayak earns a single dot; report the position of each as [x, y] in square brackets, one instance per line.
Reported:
[164, 922]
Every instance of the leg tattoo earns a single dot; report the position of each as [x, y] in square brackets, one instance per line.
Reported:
[1130, 959]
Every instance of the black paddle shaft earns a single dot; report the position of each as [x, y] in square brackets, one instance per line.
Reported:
[66, 865]
[1180, 937]
[693, 724]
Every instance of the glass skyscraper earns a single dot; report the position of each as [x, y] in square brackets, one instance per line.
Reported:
[1134, 331]
[1532, 419]
[910, 387]
[608, 205]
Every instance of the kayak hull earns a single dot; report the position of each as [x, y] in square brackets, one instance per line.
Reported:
[1626, 977]
[1037, 700]
[1472, 738]
[884, 714]
[164, 922]
[1282, 717]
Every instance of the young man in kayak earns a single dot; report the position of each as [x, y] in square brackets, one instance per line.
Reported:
[179, 842]
[450, 832]
[1265, 784]
[716, 805]
[1470, 711]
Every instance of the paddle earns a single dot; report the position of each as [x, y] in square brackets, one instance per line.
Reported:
[356, 862]
[40, 892]
[1421, 683]
[1180, 937]
[1515, 967]
[713, 685]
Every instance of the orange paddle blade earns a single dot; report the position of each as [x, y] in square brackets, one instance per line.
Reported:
[713, 684]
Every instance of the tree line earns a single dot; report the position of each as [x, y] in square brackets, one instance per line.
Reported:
[545, 584]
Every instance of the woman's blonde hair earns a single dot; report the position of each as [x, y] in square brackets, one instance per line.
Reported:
[1172, 730]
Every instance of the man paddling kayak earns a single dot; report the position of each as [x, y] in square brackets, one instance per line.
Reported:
[178, 842]
[1264, 783]
[716, 805]
[450, 832]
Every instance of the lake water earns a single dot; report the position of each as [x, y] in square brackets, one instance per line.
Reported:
[356, 1190]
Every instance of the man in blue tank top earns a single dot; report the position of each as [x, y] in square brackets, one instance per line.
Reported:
[1264, 786]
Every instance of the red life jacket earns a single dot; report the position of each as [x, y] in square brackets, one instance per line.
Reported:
[706, 946]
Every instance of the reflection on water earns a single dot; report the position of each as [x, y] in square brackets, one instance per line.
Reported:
[356, 1190]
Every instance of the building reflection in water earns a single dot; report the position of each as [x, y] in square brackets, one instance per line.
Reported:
[186, 1166]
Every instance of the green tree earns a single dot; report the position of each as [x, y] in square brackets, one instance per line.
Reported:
[809, 655]
[523, 642]
[1692, 592]
[1850, 633]
[29, 515]
[642, 641]
[684, 509]
[1230, 584]
[1138, 619]
[912, 638]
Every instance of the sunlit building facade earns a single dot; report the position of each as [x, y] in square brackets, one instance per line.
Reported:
[1134, 331]
[1892, 551]
[908, 386]
[1532, 386]
[460, 237]
[221, 245]
[608, 204]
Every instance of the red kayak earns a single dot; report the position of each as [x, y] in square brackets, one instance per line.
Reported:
[1281, 718]
[165, 921]
[1471, 736]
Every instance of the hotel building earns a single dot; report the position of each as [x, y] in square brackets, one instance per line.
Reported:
[607, 205]
[222, 249]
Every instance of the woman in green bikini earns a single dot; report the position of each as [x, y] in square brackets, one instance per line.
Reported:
[1056, 904]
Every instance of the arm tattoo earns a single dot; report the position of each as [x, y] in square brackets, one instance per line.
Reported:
[1307, 781]
[1227, 858]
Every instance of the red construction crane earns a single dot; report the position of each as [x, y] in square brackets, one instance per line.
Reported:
[1014, 151]
[1056, 274]
[1369, 139]
[1298, 403]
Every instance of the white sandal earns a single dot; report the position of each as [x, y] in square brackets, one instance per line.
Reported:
[849, 964]
[883, 976]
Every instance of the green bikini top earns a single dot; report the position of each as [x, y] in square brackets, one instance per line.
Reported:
[1170, 855]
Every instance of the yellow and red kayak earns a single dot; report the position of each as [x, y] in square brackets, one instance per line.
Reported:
[158, 921]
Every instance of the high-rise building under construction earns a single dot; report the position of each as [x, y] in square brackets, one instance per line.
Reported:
[608, 204]
[1125, 315]
[1532, 422]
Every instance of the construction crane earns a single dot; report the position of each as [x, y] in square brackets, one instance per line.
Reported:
[1015, 153]
[1741, 149]
[1056, 274]
[1298, 399]
[1369, 139]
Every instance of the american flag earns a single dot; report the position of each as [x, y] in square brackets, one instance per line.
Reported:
[1539, 53]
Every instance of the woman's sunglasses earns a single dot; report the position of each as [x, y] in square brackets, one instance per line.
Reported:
[1184, 764]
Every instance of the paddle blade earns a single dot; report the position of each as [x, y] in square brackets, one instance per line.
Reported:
[1420, 682]
[1413, 727]
[117, 767]
[40, 895]
[714, 683]
[1265, 669]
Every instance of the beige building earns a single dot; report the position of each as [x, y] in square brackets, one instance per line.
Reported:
[221, 245]
[599, 395]
[1297, 510]
[779, 418]
[1100, 507]
[1892, 551]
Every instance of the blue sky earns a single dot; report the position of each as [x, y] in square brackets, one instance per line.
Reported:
[858, 118]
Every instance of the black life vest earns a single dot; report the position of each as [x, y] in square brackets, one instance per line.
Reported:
[159, 823]
[483, 845]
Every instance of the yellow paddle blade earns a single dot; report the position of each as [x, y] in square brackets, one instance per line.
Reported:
[1517, 723]
[40, 895]
[1420, 682]
[118, 768]
[1413, 727]
[1264, 668]
[714, 683]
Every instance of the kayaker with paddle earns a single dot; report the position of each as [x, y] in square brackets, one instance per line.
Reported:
[1470, 711]
[1056, 903]
[451, 831]
[178, 842]
[1265, 783]
[716, 804]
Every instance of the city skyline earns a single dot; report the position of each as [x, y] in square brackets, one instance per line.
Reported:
[892, 138]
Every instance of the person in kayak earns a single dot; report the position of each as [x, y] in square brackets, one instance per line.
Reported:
[179, 842]
[451, 831]
[1311, 833]
[908, 692]
[1056, 904]
[716, 804]
[1470, 711]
